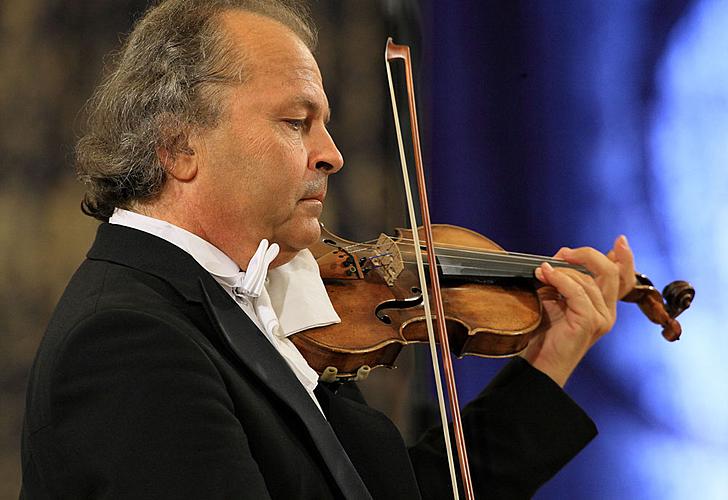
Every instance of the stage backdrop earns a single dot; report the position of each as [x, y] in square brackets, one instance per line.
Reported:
[569, 123]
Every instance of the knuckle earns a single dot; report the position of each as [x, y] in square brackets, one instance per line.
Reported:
[580, 292]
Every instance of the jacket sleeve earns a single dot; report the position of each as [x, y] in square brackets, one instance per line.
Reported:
[134, 408]
[519, 432]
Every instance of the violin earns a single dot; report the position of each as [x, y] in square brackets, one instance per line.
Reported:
[492, 308]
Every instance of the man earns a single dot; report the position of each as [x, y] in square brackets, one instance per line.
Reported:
[166, 372]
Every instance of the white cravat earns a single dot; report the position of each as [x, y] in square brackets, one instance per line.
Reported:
[250, 283]
[281, 301]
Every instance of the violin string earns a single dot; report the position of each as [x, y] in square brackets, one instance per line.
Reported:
[360, 247]
[483, 257]
[455, 250]
[447, 247]
[514, 262]
[461, 252]
[495, 264]
[490, 265]
[493, 271]
[496, 269]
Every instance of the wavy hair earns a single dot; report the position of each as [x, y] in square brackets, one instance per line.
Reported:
[164, 83]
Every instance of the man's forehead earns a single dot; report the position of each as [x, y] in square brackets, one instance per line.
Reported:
[266, 46]
[292, 86]
[259, 37]
[275, 58]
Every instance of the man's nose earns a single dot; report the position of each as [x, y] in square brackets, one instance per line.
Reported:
[326, 157]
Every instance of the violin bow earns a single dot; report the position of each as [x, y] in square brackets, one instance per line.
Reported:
[393, 52]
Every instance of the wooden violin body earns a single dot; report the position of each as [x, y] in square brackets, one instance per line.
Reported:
[381, 318]
[491, 310]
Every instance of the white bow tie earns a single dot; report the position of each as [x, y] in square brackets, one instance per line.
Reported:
[250, 283]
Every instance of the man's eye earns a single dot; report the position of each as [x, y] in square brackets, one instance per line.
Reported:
[296, 124]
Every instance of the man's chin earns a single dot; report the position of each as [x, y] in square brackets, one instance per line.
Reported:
[295, 238]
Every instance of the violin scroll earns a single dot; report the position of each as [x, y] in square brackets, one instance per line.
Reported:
[678, 296]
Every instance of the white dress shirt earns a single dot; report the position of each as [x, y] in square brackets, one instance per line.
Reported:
[290, 299]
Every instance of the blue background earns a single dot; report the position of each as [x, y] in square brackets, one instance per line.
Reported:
[569, 123]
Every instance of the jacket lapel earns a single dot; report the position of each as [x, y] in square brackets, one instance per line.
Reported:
[155, 256]
[254, 350]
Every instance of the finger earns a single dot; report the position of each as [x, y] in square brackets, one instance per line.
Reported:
[570, 289]
[624, 258]
[549, 293]
[606, 310]
[606, 272]
[595, 261]
[584, 298]
[561, 252]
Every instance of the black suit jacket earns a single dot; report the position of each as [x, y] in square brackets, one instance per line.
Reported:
[151, 382]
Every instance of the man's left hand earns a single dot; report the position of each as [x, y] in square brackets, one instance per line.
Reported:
[578, 308]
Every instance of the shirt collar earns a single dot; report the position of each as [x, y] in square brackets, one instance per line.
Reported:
[296, 291]
[206, 254]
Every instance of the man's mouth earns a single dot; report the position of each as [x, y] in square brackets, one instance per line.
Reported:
[320, 196]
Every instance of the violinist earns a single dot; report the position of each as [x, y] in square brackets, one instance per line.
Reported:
[167, 369]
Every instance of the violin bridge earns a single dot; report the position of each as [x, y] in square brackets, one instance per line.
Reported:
[388, 259]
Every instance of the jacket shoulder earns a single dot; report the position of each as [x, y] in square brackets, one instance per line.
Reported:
[103, 304]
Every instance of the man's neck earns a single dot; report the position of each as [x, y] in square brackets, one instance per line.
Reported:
[239, 251]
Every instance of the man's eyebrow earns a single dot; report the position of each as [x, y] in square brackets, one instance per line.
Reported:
[311, 106]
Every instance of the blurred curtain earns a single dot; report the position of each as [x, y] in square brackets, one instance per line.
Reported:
[565, 124]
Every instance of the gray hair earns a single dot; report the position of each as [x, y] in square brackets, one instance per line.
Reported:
[166, 82]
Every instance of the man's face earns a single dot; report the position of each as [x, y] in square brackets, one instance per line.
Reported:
[263, 171]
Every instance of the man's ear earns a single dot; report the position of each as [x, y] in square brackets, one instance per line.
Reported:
[179, 160]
